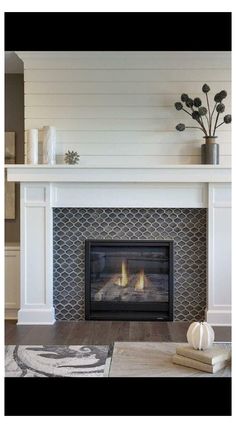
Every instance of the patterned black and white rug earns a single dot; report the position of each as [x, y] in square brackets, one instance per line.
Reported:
[56, 361]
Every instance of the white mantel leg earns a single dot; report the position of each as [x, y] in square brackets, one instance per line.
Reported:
[219, 254]
[36, 255]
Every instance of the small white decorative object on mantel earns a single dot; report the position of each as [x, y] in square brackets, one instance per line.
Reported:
[49, 145]
[200, 335]
[32, 146]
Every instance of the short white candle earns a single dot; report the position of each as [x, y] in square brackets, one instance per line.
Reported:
[32, 147]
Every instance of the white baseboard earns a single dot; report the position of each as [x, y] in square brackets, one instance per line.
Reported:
[11, 314]
[36, 316]
[219, 318]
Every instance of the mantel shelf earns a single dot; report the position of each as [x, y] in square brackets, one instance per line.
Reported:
[76, 173]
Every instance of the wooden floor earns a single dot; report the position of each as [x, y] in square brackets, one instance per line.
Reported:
[102, 332]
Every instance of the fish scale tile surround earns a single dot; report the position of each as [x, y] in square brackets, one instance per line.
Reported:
[186, 226]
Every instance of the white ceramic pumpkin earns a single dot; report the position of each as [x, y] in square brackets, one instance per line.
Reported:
[200, 335]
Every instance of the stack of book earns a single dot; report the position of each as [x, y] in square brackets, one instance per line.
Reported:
[211, 360]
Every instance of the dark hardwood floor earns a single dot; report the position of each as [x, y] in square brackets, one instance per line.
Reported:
[102, 332]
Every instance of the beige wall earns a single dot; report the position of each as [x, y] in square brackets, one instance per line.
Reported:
[14, 121]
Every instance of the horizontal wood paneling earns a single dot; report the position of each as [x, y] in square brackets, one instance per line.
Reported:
[111, 124]
[117, 108]
[130, 138]
[126, 75]
[153, 149]
[73, 112]
[113, 88]
[141, 161]
[126, 60]
[100, 100]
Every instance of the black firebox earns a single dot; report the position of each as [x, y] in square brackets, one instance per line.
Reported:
[128, 280]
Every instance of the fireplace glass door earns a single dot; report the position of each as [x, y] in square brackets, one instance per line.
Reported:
[129, 280]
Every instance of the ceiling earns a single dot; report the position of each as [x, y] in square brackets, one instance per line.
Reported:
[13, 64]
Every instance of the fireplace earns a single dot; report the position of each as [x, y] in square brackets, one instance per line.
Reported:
[128, 280]
[61, 207]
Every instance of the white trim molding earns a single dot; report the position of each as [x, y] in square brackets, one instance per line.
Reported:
[44, 187]
[219, 318]
[219, 254]
[36, 255]
[161, 174]
[12, 280]
[132, 195]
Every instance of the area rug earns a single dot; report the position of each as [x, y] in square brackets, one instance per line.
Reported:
[154, 359]
[56, 361]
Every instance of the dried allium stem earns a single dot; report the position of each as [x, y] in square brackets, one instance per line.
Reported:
[222, 123]
[217, 117]
[209, 113]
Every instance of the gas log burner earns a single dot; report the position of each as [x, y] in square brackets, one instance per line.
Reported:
[129, 280]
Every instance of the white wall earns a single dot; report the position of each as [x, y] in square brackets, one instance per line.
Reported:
[116, 108]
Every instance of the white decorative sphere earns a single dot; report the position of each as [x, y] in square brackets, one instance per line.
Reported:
[200, 335]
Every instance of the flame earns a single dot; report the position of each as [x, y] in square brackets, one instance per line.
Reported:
[124, 275]
[123, 279]
[141, 281]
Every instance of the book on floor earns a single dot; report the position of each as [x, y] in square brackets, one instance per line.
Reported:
[198, 365]
[211, 356]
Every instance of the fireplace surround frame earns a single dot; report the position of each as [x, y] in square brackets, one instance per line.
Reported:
[44, 187]
[147, 311]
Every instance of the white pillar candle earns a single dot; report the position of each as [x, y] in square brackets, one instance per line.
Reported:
[49, 145]
[32, 147]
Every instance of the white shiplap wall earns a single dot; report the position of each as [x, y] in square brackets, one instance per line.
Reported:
[116, 108]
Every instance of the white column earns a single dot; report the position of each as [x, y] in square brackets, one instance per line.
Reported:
[219, 254]
[36, 306]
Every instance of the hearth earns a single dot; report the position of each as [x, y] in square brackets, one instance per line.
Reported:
[128, 280]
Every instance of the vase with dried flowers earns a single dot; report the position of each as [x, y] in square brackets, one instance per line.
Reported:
[207, 121]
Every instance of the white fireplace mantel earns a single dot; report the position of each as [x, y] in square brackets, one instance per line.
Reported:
[44, 187]
[162, 173]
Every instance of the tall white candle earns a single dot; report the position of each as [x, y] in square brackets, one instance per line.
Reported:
[49, 145]
[32, 146]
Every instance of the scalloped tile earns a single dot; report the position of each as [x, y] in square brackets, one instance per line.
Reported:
[187, 227]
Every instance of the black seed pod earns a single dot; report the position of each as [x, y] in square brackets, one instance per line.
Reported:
[178, 106]
[195, 115]
[184, 97]
[218, 98]
[220, 108]
[223, 94]
[180, 127]
[197, 102]
[205, 88]
[202, 111]
[228, 118]
[189, 102]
